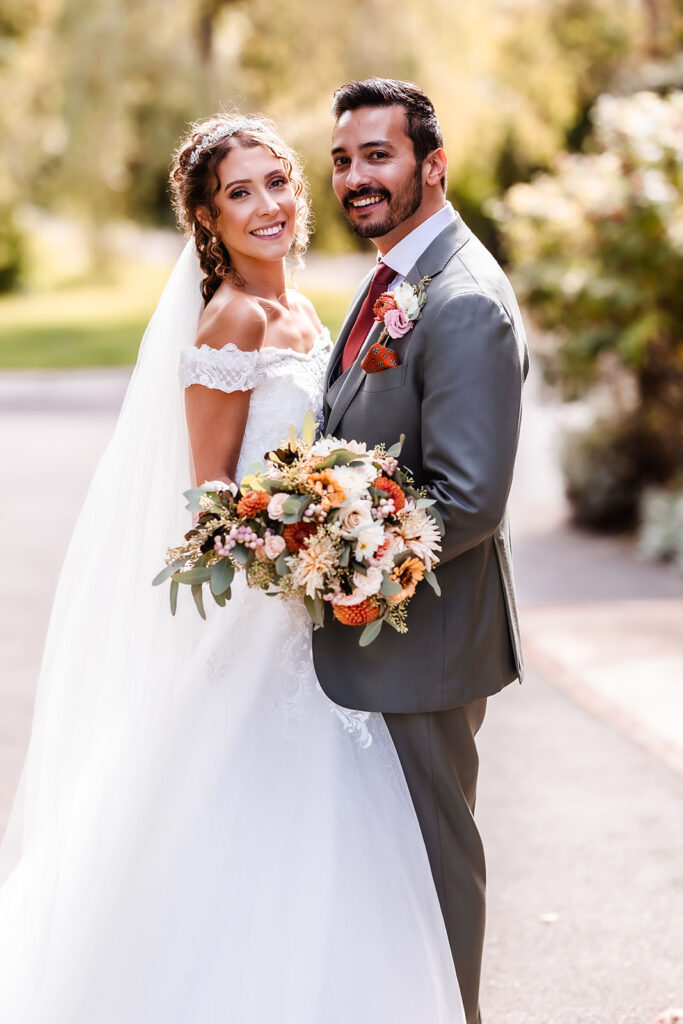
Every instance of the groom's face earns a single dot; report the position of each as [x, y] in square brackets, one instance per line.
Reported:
[375, 175]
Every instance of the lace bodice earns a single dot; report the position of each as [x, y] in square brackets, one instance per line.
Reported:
[284, 385]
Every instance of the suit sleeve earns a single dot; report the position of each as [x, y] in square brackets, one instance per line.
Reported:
[471, 411]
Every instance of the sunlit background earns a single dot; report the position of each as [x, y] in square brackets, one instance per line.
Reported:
[563, 122]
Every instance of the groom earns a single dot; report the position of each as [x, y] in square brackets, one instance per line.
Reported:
[456, 395]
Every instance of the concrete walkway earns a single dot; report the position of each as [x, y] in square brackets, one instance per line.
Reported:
[581, 800]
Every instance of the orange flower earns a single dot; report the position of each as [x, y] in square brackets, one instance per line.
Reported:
[392, 490]
[251, 503]
[384, 303]
[408, 574]
[297, 533]
[356, 614]
[327, 486]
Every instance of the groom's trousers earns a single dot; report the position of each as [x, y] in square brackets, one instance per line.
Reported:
[439, 757]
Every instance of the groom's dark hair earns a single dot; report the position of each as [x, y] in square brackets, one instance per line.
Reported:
[422, 124]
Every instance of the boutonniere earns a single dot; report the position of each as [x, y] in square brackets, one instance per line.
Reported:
[400, 310]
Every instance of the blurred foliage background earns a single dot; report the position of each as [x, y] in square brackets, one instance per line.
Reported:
[564, 128]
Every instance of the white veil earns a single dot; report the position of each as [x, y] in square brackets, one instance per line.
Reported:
[114, 654]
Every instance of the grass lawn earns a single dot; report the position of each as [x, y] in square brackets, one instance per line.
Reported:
[99, 325]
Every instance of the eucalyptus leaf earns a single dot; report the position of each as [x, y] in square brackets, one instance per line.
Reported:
[345, 555]
[424, 502]
[222, 575]
[436, 516]
[292, 438]
[198, 598]
[199, 574]
[390, 587]
[370, 633]
[220, 599]
[293, 509]
[339, 457]
[433, 583]
[316, 609]
[254, 468]
[240, 554]
[193, 496]
[281, 567]
[175, 587]
[292, 505]
[165, 573]
[308, 429]
[397, 448]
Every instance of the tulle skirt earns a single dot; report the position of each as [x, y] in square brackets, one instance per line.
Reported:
[260, 861]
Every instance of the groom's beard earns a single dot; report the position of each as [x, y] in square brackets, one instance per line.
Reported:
[400, 206]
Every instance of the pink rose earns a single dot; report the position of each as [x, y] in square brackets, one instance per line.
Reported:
[369, 583]
[274, 545]
[348, 600]
[397, 323]
[275, 505]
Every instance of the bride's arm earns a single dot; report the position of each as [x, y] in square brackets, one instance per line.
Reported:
[217, 408]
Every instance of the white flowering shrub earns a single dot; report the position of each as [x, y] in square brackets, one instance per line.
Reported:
[661, 525]
[597, 252]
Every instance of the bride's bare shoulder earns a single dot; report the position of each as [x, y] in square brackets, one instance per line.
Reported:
[231, 316]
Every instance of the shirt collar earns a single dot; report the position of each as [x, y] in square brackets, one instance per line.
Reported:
[403, 256]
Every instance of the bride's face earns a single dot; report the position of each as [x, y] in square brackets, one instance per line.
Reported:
[256, 204]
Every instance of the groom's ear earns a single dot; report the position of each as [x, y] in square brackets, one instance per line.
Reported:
[434, 167]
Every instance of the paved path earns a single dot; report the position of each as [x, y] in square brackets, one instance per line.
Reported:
[581, 803]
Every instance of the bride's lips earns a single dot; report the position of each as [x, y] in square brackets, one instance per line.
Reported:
[269, 231]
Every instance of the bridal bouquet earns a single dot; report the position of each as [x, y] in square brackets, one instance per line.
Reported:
[326, 521]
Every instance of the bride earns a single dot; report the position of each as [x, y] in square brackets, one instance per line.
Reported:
[200, 835]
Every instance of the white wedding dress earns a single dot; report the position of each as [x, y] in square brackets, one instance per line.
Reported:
[258, 860]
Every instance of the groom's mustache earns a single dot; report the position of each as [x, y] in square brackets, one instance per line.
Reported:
[362, 193]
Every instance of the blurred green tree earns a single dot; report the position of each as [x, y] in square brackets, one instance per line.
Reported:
[97, 92]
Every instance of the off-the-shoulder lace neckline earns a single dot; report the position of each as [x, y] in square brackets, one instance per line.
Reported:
[324, 335]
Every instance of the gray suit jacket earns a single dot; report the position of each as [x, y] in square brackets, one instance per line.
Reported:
[457, 397]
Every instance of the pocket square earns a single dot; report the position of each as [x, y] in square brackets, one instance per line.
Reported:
[379, 357]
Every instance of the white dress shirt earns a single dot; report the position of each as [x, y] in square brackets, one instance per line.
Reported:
[405, 254]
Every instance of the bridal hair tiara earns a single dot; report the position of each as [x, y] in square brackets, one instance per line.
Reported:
[222, 133]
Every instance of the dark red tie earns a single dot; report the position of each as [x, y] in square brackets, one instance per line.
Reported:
[365, 319]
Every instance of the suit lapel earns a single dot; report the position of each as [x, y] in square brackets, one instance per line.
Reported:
[352, 381]
[431, 262]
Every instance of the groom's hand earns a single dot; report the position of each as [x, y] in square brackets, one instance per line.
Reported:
[470, 417]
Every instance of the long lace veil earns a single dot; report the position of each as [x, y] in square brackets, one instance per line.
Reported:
[114, 654]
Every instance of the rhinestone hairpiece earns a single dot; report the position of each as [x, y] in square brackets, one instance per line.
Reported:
[221, 133]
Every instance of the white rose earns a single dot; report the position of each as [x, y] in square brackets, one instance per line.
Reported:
[368, 540]
[274, 545]
[369, 583]
[406, 299]
[219, 485]
[275, 505]
[354, 516]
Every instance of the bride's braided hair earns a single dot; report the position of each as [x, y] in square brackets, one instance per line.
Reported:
[194, 183]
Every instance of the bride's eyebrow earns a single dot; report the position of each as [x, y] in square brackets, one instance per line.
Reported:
[237, 181]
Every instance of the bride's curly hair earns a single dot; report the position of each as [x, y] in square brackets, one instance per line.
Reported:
[195, 183]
